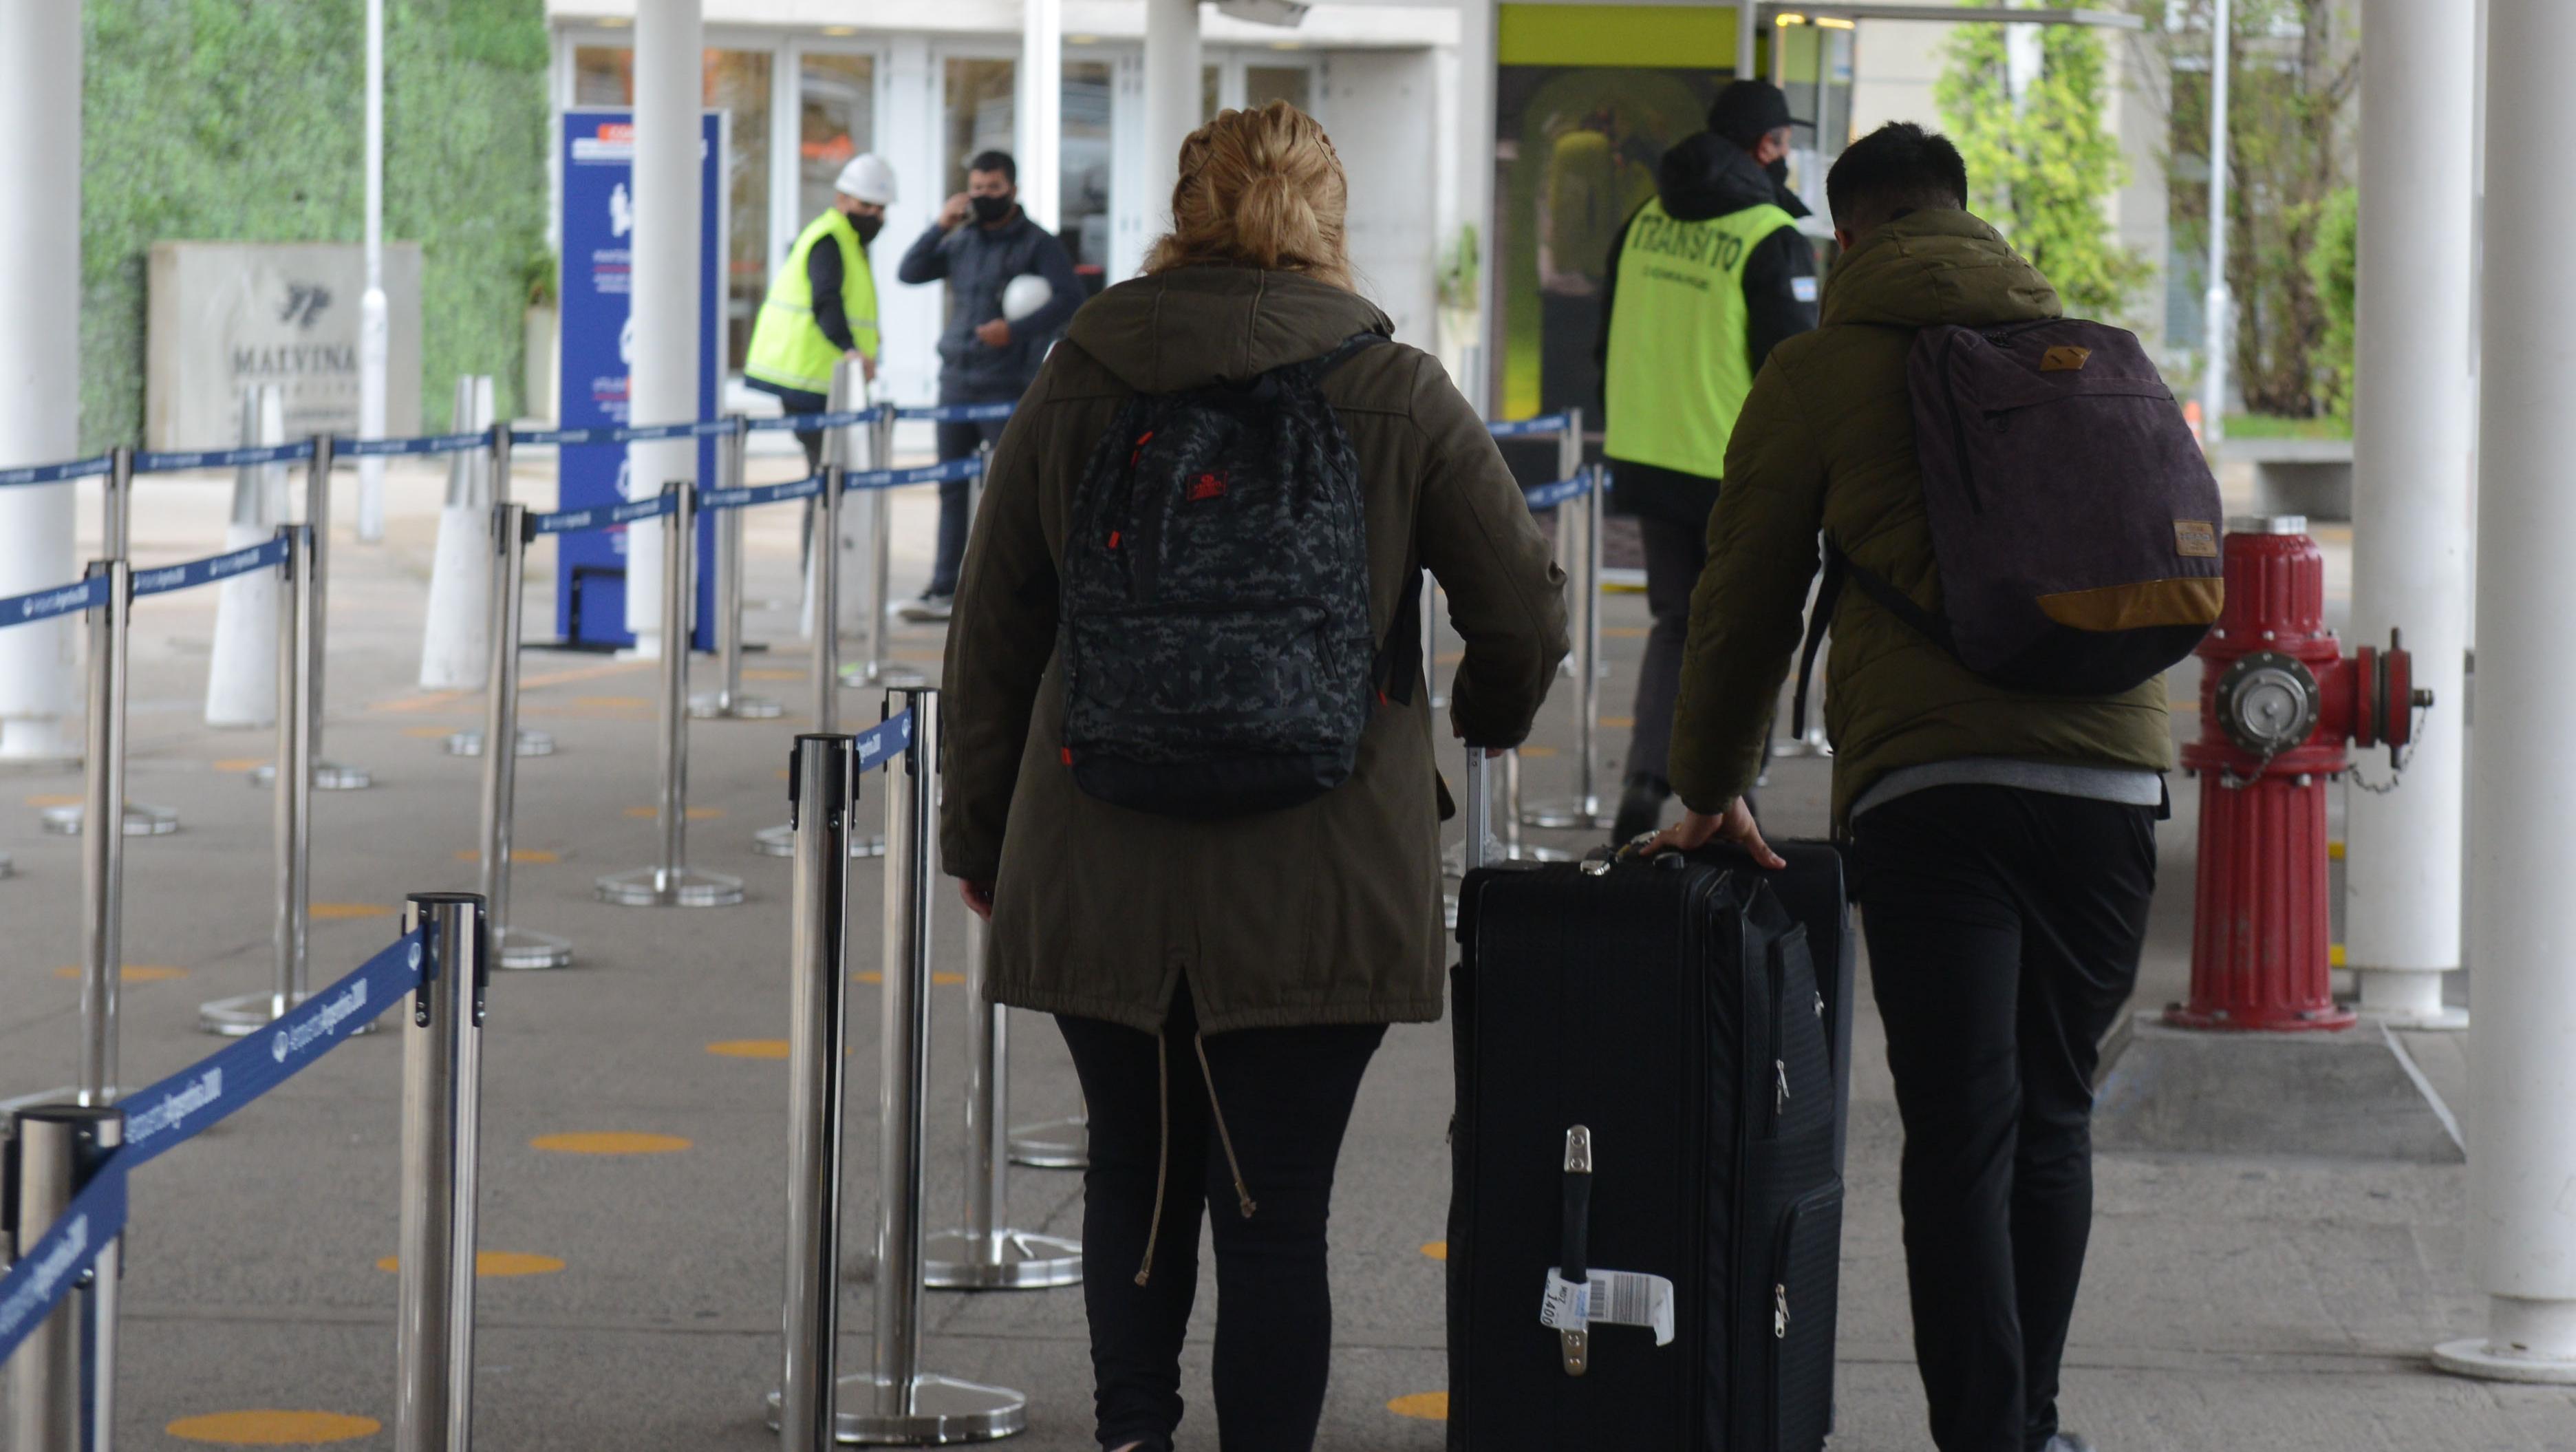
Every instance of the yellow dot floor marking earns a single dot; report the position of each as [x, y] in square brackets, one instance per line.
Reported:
[133, 973]
[241, 763]
[339, 911]
[496, 1263]
[1429, 1406]
[1625, 632]
[269, 1428]
[696, 814]
[2334, 851]
[2334, 955]
[1533, 753]
[1619, 723]
[614, 701]
[609, 1142]
[537, 855]
[430, 733]
[749, 1048]
[1436, 1249]
[783, 773]
[773, 675]
[55, 799]
[944, 980]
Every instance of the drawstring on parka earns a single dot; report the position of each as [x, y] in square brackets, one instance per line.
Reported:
[1163, 1154]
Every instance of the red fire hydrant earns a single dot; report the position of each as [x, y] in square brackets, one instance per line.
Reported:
[2279, 701]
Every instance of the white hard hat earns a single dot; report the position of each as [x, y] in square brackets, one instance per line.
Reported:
[1024, 295]
[867, 178]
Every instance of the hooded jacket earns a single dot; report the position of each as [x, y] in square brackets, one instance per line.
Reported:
[1326, 912]
[1825, 444]
[1701, 177]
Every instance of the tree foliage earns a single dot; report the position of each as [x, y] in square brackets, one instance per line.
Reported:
[2295, 73]
[2041, 164]
[2333, 271]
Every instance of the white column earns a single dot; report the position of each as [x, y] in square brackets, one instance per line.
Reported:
[2411, 450]
[1041, 112]
[375, 324]
[909, 317]
[1171, 103]
[1476, 60]
[662, 365]
[40, 272]
[2522, 784]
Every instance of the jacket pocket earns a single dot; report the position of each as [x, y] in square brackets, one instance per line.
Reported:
[1806, 1269]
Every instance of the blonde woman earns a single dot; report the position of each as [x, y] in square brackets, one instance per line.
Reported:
[1223, 977]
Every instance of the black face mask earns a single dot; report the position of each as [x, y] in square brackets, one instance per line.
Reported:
[868, 225]
[1778, 171]
[989, 210]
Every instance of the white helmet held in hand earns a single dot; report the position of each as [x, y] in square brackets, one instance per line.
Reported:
[1024, 295]
[867, 178]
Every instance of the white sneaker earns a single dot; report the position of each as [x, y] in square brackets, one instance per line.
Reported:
[929, 609]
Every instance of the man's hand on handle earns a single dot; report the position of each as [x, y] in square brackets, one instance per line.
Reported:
[1735, 825]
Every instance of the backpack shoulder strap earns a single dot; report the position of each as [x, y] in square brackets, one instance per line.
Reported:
[1817, 622]
[1344, 351]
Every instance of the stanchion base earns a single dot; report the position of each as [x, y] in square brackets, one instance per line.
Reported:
[140, 820]
[1449, 911]
[521, 950]
[239, 1018]
[652, 887]
[1057, 1144]
[781, 842]
[944, 1410]
[1009, 1260]
[328, 776]
[708, 706]
[2475, 1357]
[891, 677]
[1583, 815]
[469, 742]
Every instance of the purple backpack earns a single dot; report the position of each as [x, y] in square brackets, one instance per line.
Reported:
[2074, 522]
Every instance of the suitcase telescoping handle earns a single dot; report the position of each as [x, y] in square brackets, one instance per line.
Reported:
[1573, 1256]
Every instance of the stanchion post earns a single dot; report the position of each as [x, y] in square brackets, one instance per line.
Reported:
[116, 526]
[327, 776]
[824, 563]
[515, 948]
[985, 1254]
[906, 1405]
[62, 1381]
[103, 833]
[821, 802]
[469, 742]
[1578, 548]
[880, 546]
[1477, 812]
[727, 700]
[441, 1137]
[670, 882]
[291, 785]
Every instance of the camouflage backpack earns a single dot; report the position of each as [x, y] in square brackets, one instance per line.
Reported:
[1214, 619]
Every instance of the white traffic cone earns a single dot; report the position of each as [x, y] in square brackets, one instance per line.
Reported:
[455, 642]
[241, 676]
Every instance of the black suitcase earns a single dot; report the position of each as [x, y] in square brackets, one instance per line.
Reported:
[1652, 1063]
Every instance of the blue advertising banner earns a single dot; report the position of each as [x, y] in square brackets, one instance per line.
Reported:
[598, 266]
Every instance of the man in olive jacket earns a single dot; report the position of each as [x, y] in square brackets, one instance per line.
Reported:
[2002, 844]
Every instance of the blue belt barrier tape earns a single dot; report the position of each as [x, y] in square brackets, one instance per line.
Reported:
[1522, 428]
[57, 473]
[186, 1104]
[213, 567]
[166, 1115]
[52, 1267]
[646, 433]
[1549, 496]
[959, 412]
[883, 740]
[811, 423]
[60, 600]
[429, 444]
[601, 516]
[920, 474]
[758, 494]
[162, 463]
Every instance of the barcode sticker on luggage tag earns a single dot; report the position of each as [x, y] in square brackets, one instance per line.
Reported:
[1618, 1298]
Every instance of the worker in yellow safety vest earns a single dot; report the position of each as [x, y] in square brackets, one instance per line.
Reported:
[1706, 276]
[822, 303]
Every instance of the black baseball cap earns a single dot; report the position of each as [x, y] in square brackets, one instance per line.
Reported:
[1747, 111]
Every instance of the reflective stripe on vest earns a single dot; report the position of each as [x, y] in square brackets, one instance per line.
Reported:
[786, 347]
[1678, 360]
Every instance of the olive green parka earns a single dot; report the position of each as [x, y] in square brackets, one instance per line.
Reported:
[1825, 444]
[1327, 912]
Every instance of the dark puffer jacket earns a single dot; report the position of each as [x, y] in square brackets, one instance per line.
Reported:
[978, 262]
[1328, 912]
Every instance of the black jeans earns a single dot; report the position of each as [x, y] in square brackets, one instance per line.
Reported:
[1285, 1098]
[2004, 930]
[1675, 554]
[959, 441]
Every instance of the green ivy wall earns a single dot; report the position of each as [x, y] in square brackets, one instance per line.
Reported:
[243, 120]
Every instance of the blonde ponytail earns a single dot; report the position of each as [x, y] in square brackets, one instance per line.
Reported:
[1259, 189]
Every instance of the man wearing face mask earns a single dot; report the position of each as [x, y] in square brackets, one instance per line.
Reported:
[982, 241]
[822, 303]
[1704, 279]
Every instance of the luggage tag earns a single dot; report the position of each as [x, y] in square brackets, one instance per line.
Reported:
[1613, 1298]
